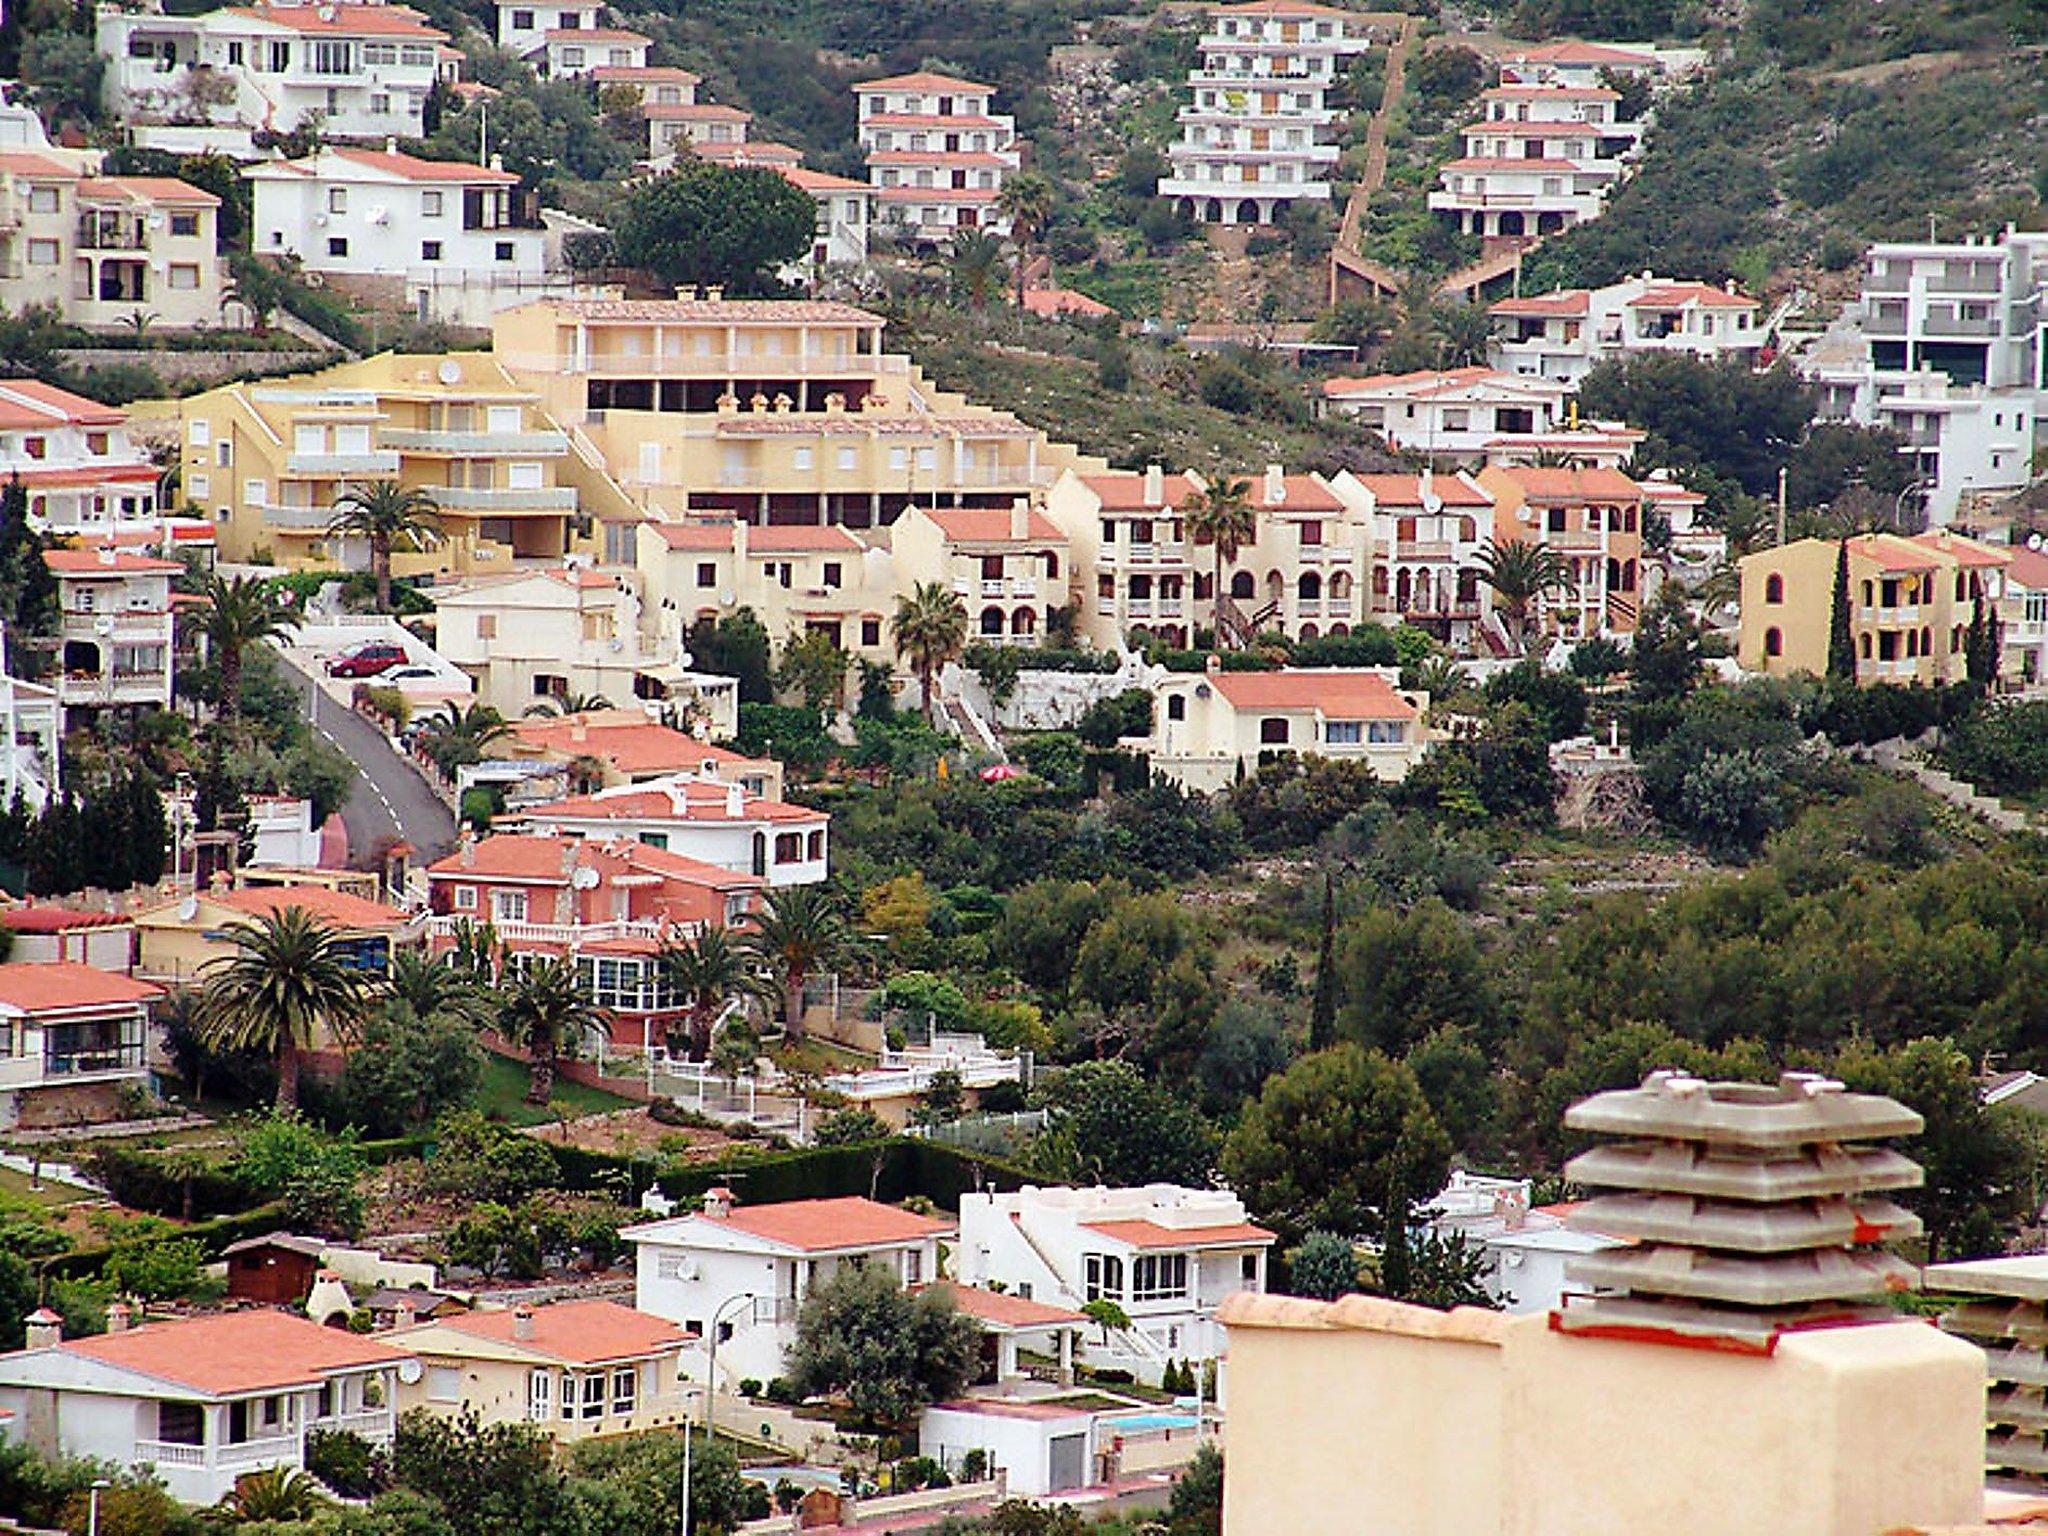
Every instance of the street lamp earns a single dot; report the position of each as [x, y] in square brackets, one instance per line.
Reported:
[710, 1390]
[92, 1507]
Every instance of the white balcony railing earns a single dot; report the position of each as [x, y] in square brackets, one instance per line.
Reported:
[264, 1451]
[515, 933]
[374, 462]
[548, 445]
[471, 498]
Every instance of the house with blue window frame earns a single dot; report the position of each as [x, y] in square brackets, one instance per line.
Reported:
[71, 1037]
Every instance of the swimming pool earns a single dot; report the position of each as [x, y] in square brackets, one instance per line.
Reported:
[1147, 1423]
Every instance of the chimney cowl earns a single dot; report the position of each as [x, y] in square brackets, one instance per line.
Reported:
[120, 1317]
[718, 1202]
[522, 1324]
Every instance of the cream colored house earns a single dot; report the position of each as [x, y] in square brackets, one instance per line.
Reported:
[1212, 728]
[1910, 605]
[267, 460]
[1124, 533]
[793, 578]
[1010, 568]
[576, 1369]
[177, 939]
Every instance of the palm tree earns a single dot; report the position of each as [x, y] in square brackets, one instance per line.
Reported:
[974, 266]
[290, 977]
[546, 1014]
[1026, 201]
[1221, 513]
[931, 629]
[569, 704]
[707, 972]
[385, 512]
[241, 610]
[801, 931]
[281, 1494]
[454, 738]
[432, 986]
[1463, 333]
[1520, 573]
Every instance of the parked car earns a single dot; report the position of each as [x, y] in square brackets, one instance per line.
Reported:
[367, 660]
[411, 674]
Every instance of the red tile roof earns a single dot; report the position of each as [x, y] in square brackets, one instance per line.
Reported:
[1049, 303]
[339, 908]
[625, 738]
[1573, 52]
[693, 112]
[924, 80]
[930, 120]
[1002, 1309]
[344, 20]
[1149, 1234]
[37, 917]
[1406, 490]
[820, 181]
[1547, 483]
[1339, 692]
[146, 189]
[538, 859]
[991, 525]
[684, 800]
[95, 562]
[595, 35]
[32, 403]
[1890, 553]
[413, 168]
[51, 986]
[1560, 92]
[714, 311]
[796, 538]
[1965, 552]
[231, 1353]
[1302, 493]
[1671, 295]
[643, 74]
[1567, 302]
[2029, 569]
[1430, 381]
[824, 1226]
[591, 1332]
[38, 166]
[1125, 491]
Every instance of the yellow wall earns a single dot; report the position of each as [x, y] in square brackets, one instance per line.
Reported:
[1802, 620]
[496, 1390]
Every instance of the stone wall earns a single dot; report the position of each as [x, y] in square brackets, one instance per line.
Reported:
[1051, 701]
[69, 1104]
[198, 370]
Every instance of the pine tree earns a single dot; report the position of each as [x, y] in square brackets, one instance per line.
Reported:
[149, 831]
[1322, 1017]
[1841, 644]
[1980, 645]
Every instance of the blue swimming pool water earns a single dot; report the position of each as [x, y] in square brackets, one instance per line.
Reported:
[1140, 1422]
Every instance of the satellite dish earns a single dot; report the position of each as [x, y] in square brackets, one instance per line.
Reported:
[450, 371]
[410, 1371]
[103, 626]
[585, 879]
[188, 909]
[2033, 541]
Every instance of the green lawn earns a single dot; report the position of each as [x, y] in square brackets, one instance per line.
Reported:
[15, 1188]
[502, 1096]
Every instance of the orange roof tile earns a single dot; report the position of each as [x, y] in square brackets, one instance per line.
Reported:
[1889, 552]
[991, 525]
[39, 917]
[1566, 302]
[821, 181]
[1406, 490]
[147, 189]
[823, 1226]
[684, 800]
[413, 168]
[32, 403]
[344, 20]
[1561, 92]
[1548, 483]
[539, 859]
[1667, 295]
[1149, 1234]
[20, 163]
[2029, 569]
[693, 112]
[1050, 303]
[626, 739]
[924, 80]
[1002, 1309]
[930, 120]
[593, 1332]
[795, 538]
[1427, 381]
[49, 986]
[339, 908]
[1302, 493]
[230, 1353]
[1966, 552]
[595, 35]
[1124, 491]
[1340, 692]
[95, 562]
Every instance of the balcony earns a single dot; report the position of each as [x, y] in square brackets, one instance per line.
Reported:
[1152, 556]
[104, 623]
[281, 515]
[1440, 552]
[775, 1310]
[683, 365]
[1946, 322]
[544, 445]
[373, 1424]
[1899, 614]
[1577, 540]
[112, 232]
[559, 499]
[382, 462]
[515, 933]
[266, 1451]
[1326, 554]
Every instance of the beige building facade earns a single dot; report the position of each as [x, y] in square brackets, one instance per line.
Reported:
[1212, 728]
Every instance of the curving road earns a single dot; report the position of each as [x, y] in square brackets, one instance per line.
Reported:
[389, 798]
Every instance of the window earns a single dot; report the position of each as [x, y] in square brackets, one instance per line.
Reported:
[430, 205]
[625, 1390]
[42, 253]
[1176, 706]
[1157, 1276]
[870, 631]
[380, 103]
[1343, 733]
[593, 1395]
[337, 199]
[1385, 733]
[508, 906]
[181, 1423]
[1311, 533]
[833, 577]
[1774, 588]
[202, 487]
[800, 458]
[1273, 731]
[465, 898]
[235, 55]
[540, 1397]
[707, 573]
[331, 58]
[504, 251]
[444, 1384]
[184, 275]
[337, 246]
[848, 460]
[380, 53]
[44, 199]
[430, 250]
[572, 58]
[522, 21]
[1104, 1277]
[185, 225]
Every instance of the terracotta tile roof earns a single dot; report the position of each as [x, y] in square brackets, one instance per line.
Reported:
[93, 562]
[753, 154]
[821, 181]
[231, 1353]
[1546, 483]
[1568, 302]
[1889, 552]
[595, 35]
[1505, 163]
[1561, 92]
[714, 311]
[32, 403]
[708, 537]
[693, 112]
[931, 120]
[991, 525]
[1002, 1309]
[39, 917]
[826, 1226]
[344, 20]
[2029, 569]
[111, 474]
[924, 80]
[20, 163]
[413, 168]
[1301, 493]
[1570, 52]
[1965, 552]
[44, 987]
[1283, 8]
[678, 800]
[1125, 491]
[938, 194]
[1149, 1234]
[965, 159]
[1493, 129]
[1670, 295]
[338, 908]
[591, 1332]
[1425, 382]
[1406, 490]
[537, 859]
[624, 738]
[643, 74]
[146, 189]
[1052, 302]
[1338, 692]
[798, 538]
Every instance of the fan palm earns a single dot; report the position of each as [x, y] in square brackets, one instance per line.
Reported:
[931, 629]
[707, 972]
[290, 978]
[801, 931]
[1520, 573]
[241, 610]
[974, 266]
[1221, 514]
[1026, 201]
[273, 1494]
[432, 986]
[569, 704]
[546, 1014]
[455, 738]
[384, 512]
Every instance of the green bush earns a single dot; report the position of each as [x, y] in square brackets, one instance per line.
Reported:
[347, 1463]
[2002, 747]
[145, 1179]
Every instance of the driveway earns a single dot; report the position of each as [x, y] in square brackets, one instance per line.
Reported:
[389, 799]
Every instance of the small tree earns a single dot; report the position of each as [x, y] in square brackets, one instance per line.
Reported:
[386, 513]
[713, 224]
[1325, 1266]
[930, 627]
[1841, 645]
[815, 667]
[889, 1353]
[546, 1015]
[1106, 1315]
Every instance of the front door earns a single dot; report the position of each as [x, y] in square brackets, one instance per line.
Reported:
[1068, 1464]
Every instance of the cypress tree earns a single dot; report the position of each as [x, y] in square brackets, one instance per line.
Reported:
[1841, 644]
[1322, 1017]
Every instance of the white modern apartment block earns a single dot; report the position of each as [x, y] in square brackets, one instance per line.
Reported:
[937, 152]
[356, 71]
[1167, 1255]
[455, 242]
[115, 628]
[846, 212]
[31, 727]
[1540, 159]
[1576, 65]
[567, 37]
[1562, 335]
[1255, 138]
[107, 251]
[737, 1274]
[1964, 441]
[83, 475]
[1459, 414]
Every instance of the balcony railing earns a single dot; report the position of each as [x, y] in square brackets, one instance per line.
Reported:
[281, 515]
[267, 1450]
[515, 932]
[468, 498]
[1157, 554]
[548, 445]
[118, 1058]
[81, 624]
[369, 462]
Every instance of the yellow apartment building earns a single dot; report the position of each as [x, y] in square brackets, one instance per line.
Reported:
[267, 461]
[1593, 519]
[1910, 605]
[794, 578]
[1012, 568]
[768, 410]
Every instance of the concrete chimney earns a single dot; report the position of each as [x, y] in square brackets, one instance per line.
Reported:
[572, 855]
[329, 1299]
[120, 1317]
[465, 848]
[390, 145]
[1020, 520]
[522, 1325]
[1155, 485]
[1276, 485]
[687, 293]
[403, 1315]
[45, 1328]
[107, 554]
[718, 1202]
[714, 293]
[735, 802]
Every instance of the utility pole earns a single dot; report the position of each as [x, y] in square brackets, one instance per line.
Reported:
[1781, 505]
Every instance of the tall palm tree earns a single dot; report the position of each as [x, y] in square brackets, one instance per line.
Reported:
[546, 1014]
[1520, 573]
[974, 266]
[1221, 514]
[455, 738]
[290, 977]
[568, 704]
[709, 971]
[799, 932]
[433, 986]
[1026, 201]
[384, 512]
[930, 627]
[241, 610]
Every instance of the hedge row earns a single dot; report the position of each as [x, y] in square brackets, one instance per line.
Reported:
[889, 1171]
[213, 1236]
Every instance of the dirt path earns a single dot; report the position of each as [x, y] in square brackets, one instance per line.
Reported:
[1375, 170]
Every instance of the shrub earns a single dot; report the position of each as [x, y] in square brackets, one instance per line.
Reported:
[2002, 747]
[347, 1463]
[488, 1162]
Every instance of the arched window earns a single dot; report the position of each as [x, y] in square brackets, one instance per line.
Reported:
[1310, 586]
[1024, 622]
[1774, 588]
[1962, 585]
[1242, 586]
[1052, 563]
[991, 621]
[1774, 643]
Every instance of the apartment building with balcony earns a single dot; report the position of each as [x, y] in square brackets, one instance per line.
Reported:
[2024, 637]
[267, 460]
[846, 214]
[86, 478]
[202, 1400]
[1011, 569]
[1911, 601]
[772, 411]
[1466, 416]
[105, 250]
[793, 577]
[452, 242]
[115, 631]
[1427, 532]
[1574, 65]
[568, 38]
[196, 82]
[1306, 571]
[1965, 443]
[627, 747]
[1592, 519]
[1972, 310]
[937, 154]
[1563, 335]
[1257, 135]
[700, 818]
[71, 1038]
[1124, 532]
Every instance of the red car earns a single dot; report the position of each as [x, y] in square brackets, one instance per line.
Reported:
[367, 660]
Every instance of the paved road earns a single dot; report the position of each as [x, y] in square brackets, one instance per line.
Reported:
[389, 799]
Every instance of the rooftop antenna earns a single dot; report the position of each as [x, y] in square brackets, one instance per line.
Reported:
[483, 131]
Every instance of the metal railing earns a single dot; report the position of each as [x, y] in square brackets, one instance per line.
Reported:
[540, 444]
[551, 498]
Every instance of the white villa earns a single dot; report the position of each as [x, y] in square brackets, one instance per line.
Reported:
[1542, 157]
[699, 818]
[1463, 415]
[115, 626]
[938, 153]
[737, 1274]
[1562, 335]
[1166, 1255]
